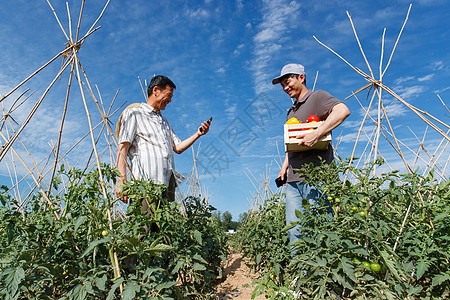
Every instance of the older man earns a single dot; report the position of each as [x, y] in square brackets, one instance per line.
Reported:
[149, 140]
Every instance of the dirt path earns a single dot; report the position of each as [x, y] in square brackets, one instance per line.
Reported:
[238, 280]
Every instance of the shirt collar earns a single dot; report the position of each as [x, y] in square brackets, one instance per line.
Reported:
[149, 109]
[298, 103]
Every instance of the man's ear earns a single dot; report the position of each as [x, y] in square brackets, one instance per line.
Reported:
[301, 77]
[156, 91]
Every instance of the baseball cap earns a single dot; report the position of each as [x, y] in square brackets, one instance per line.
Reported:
[289, 69]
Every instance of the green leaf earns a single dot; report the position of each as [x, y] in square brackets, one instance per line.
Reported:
[199, 258]
[342, 281]
[78, 292]
[178, 266]
[289, 226]
[100, 282]
[60, 231]
[414, 290]
[198, 236]
[440, 216]
[347, 267]
[199, 267]
[79, 221]
[159, 248]
[94, 244]
[440, 279]
[390, 264]
[114, 287]
[132, 240]
[130, 290]
[422, 267]
[298, 214]
[13, 279]
[166, 285]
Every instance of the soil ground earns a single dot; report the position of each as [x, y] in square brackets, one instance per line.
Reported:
[238, 280]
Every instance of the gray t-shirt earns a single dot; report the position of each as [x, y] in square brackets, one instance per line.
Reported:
[319, 103]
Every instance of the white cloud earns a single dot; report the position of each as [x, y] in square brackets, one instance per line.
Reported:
[442, 90]
[230, 110]
[275, 20]
[407, 92]
[396, 109]
[266, 34]
[438, 65]
[426, 78]
[239, 4]
[404, 79]
[237, 51]
[199, 13]
[220, 70]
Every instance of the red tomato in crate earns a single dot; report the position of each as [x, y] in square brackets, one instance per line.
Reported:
[312, 118]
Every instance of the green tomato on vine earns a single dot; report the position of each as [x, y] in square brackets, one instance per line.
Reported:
[375, 267]
[366, 264]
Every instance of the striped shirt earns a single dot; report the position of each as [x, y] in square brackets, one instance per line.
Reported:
[151, 139]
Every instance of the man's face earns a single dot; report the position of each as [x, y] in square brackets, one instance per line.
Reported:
[163, 97]
[293, 86]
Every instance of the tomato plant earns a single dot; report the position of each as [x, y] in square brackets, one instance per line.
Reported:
[162, 252]
[408, 259]
[262, 239]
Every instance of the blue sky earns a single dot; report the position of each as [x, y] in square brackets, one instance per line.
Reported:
[222, 56]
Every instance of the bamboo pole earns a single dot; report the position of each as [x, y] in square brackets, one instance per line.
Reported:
[79, 19]
[33, 74]
[57, 19]
[359, 44]
[115, 260]
[358, 136]
[398, 39]
[66, 102]
[70, 23]
[30, 115]
[96, 21]
[315, 81]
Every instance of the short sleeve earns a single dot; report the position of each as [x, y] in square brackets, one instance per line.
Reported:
[128, 126]
[175, 138]
[327, 102]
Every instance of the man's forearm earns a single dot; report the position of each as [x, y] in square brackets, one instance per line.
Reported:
[122, 152]
[285, 165]
[339, 113]
[184, 145]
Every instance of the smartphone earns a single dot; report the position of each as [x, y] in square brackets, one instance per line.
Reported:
[209, 121]
[280, 181]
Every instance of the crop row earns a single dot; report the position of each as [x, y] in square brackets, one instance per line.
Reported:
[161, 253]
[388, 239]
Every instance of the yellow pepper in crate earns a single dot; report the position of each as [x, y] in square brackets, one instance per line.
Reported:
[292, 121]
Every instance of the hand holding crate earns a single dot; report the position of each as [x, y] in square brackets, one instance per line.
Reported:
[293, 127]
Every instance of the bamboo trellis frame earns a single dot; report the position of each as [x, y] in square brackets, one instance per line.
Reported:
[9, 135]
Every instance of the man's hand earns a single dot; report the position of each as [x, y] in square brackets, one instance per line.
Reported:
[119, 194]
[282, 174]
[204, 128]
[284, 168]
[308, 138]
